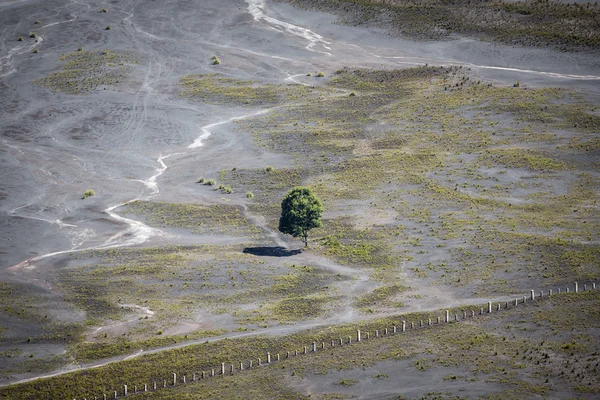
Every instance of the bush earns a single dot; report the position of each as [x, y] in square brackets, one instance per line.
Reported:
[210, 182]
[517, 84]
[320, 74]
[87, 193]
[270, 168]
[249, 195]
[37, 22]
[20, 38]
[215, 60]
[200, 180]
[36, 51]
[107, 28]
[103, 10]
[227, 190]
[80, 49]
[309, 74]
[352, 94]
[32, 34]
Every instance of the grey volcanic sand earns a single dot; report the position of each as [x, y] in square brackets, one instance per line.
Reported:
[131, 141]
[56, 146]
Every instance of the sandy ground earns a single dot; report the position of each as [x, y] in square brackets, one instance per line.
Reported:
[139, 140]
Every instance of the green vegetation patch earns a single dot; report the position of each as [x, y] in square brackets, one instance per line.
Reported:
[84, 71]
[533, 23]
[199, 219]
[215, 88]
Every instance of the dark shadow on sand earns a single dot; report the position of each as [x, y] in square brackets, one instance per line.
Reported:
[271, 251]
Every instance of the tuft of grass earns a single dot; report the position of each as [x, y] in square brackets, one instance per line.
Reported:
[36, 51]
[87, 193]
[210, 182]
[270, 168]
[20, 38]
[107, 28]
[320, 74]
[104, 10]
[215, 60]
[80, 48]
[249, 195]
[200, 180]
[32, 34]
[37, 22]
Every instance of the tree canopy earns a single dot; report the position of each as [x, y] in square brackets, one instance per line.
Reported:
[301, 211]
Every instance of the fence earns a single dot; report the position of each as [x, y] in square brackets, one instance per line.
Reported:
[270, 359]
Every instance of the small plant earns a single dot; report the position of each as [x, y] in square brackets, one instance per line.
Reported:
[87, 193]
[517, 84]
[227, 190]
[270, 168]
[160, 332]
[37, 22]
[103, 10]
[200, 180]
[347, 382]
[249, 195]
[32, 34]
[320, 74]
[80, 49]
[210, 182]
[20, 38]
[36, 51]
[107, 28]
[309, 74]
[352, 94]
[215, 60]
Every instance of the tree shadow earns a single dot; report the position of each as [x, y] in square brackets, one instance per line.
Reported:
[271, 251]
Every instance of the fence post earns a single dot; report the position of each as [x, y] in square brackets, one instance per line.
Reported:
[489, 307]
[145, 387]
[532, 295]
[412, 325]
[576, 287]
[447, 316]
[184, 379]
[124, 390]
[394, 329]
[385, 331]
[231, 368]
[174, 379]
[268, 358]
[550, 293]
[212, 372]
[438, 320]
[358, 335]
[403, 326]
[115, 394]
[429, 322]
[498, 306]
[376, 332]
[154, 385]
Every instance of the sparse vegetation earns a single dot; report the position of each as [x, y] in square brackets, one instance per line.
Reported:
[88, 193]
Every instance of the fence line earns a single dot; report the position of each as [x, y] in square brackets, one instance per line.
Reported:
[244, 365]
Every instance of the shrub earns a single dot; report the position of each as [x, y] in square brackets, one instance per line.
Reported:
[352, 94]
[309, 74]
[37, 22]
[80, 49]
[320, 74]
[200, 180]
[87, 193]
[36, 51]
[103, 10]
[20, 38]
[107, 28]
[249, 195]
[517, 84]
[270, 168]
[227, 190]
[215, 60]
[210, 182]
[32, 34]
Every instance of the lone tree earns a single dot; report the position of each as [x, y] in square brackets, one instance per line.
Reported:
[300, 212]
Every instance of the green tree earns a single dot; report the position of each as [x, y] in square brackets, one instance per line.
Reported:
[300, 212]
